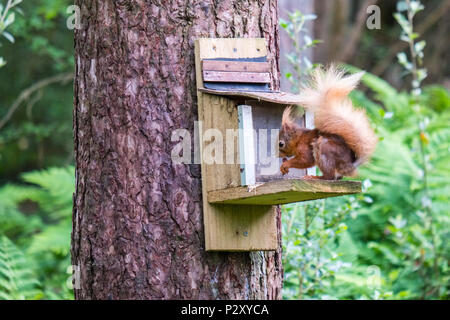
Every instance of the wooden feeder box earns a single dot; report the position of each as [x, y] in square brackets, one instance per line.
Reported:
[239, 199]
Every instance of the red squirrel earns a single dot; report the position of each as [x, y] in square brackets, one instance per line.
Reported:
[342, 139]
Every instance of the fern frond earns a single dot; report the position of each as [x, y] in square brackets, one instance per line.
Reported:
[12, 221]
[53, 238]
[17, 280]
[57, 185]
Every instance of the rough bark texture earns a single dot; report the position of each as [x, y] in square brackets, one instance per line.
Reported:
[137, 220]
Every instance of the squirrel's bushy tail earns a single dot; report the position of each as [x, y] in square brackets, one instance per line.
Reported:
[326, 96]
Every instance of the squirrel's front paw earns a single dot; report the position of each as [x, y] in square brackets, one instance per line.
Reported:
[284, 168]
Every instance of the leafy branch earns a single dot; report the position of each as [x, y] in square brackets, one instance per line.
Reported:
[295, 29]
[7, 18]
[414, 66]
[26, 94]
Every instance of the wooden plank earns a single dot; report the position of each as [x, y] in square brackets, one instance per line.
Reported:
[284, 191]
[226, 86]
[246, 145]
[220, 114]
[242, 228]
[229, 228]
[234, 48]
[245, 77]
[282, 98]
[237, 66]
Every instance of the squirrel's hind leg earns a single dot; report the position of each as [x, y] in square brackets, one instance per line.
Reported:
[324, 152]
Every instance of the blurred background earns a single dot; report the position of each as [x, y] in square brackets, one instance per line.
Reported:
[389, 243]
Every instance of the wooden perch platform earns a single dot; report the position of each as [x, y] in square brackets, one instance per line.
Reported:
[283, 191]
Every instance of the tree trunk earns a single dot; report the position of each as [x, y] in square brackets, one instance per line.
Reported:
[137, 219]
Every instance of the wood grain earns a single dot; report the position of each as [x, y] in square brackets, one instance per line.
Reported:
[234, 48]
[237, 66]
[284, 191]
[240, 77]
[282, 98]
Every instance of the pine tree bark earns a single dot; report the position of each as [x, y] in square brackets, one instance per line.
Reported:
[137, 218]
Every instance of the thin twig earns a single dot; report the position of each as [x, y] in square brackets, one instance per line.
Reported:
[5, 12]
[430, 20]
[62, 78]
[38, 96]
[427, 208]
[349, 48]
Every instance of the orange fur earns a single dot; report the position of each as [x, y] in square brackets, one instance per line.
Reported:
[287, 118]
[326, 96]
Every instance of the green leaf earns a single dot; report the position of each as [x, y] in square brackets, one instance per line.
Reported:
[416, 6]
[307, 39]
[421, 74]
[10, 19]
[402, 58]
[16, 2]
[403, 22]
[419, 46]
[402, 6]
[414, 35]
[8, 36]
[284, 24]
[310, 17]
[55, 239]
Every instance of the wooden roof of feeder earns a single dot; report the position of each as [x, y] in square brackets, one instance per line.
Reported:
[277, 97]
[238, 69]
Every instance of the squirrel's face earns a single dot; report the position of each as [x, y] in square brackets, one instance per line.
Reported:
[284, 143]
[289, 133]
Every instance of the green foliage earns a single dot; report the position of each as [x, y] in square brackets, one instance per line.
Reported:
[295, 29]
[17, 281]
[310, 232]
[411, 8]
[36, 216]
[409, 222]
[387, 226]
[394, 244]
[39, 132]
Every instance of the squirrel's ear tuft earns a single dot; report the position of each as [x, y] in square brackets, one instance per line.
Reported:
[287, 122]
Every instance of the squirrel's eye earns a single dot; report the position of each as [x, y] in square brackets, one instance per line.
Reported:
[281, 144]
